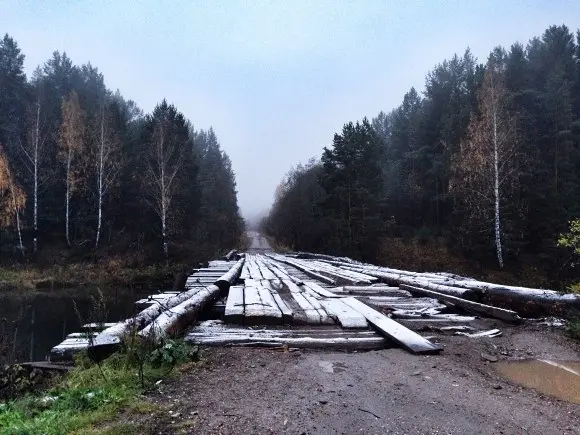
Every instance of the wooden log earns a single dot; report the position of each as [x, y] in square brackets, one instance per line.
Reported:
[405, 337]
[371, 291]
[111, 336]
[348, 343]
[234, 311]
[343, 314]
[474, 307]
[174, 320]
[231, 276]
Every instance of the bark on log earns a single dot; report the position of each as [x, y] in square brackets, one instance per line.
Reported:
[230, 277]
[173, 321]
[475, 307]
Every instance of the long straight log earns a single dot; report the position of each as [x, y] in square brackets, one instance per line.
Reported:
[112, 335]
[174, 320]
[474, 307]
[231, 276]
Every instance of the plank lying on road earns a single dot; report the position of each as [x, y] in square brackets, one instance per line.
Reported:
[405, 337]
[475, 307]
[345, 315]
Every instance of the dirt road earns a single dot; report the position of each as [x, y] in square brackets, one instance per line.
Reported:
[258, 242]
[242, 390]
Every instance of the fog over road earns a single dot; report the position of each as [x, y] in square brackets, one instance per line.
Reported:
[259, 242]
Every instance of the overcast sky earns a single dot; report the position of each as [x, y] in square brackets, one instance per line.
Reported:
[275, 79]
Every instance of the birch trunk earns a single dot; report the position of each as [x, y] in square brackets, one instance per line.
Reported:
[496, 191]
[100, 179]
[35, 165]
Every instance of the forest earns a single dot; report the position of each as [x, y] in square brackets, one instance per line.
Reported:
[485, 162]
[84, 173]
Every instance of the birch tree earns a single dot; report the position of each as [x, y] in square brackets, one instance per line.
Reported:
[486, 169]
[169, 135]
[107, 163]
[72, 135]
[32, 150]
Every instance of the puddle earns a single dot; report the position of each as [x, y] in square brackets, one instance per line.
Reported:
[556, 378]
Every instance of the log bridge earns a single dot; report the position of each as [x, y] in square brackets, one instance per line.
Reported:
[315, 301]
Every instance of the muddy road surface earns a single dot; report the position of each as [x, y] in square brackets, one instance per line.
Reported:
[460, 391]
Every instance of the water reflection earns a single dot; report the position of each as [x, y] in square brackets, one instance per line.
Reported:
[556, 378]
[31, 323]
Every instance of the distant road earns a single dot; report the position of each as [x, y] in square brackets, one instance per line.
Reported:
[258, 242]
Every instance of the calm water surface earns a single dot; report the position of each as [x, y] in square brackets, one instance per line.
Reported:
[32, 322]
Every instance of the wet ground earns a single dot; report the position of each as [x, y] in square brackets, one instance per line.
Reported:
[460, 391]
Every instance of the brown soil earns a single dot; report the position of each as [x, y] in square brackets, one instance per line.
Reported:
[242, 390]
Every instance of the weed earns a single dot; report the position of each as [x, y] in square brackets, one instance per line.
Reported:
[574, 329]
[91, 393]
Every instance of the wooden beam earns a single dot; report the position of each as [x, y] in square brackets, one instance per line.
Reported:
[343, 314]
[393, 330]
[474, 307]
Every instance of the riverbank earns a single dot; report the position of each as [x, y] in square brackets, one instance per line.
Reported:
[108, 273]
[90, 394]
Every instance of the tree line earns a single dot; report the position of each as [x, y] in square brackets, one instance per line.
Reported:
[84, 170]
[487, 157]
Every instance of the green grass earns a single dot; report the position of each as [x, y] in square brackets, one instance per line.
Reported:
[574, 329]
[90, 394]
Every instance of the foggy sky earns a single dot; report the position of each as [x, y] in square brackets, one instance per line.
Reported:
[275, 79]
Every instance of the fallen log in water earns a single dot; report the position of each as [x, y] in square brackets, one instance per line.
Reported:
[174, 320]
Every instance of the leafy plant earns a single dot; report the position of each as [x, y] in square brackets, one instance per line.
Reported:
[173, 352]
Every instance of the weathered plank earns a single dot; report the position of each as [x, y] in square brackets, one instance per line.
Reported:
[343, 314]
[371, 291]
[313, 299]
[474, 307]
[312, 315]
[258, 311]
[320, 290]
[287, 313]
[395, 331]
[234, 312]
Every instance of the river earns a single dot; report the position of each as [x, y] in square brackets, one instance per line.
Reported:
[32, 322]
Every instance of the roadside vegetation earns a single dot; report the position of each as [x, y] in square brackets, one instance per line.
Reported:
[477, 174]
[92, 394]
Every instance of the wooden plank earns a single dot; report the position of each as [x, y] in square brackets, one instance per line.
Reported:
[234, 312]
[345, 315]
[312, 315]
[474, 307]
[97, 326]
[395, 331]
[372, 291]
[287, 313]
[313, 298]
[320, 290]
[257, 311]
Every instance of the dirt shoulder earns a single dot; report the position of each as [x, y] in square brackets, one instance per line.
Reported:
[241, 390]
